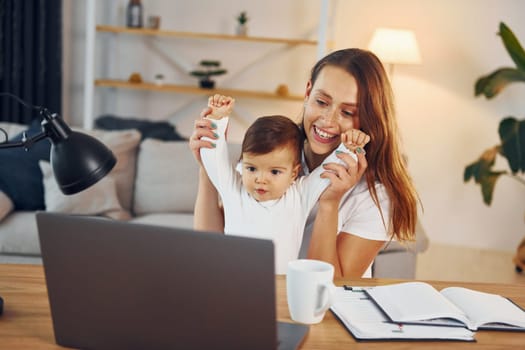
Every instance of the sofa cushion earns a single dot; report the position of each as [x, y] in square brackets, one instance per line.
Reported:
[166, 179]
[182, 220]
[160, 130]
[6, 205]
[11, 129]
[20, 175]
[99, 199]
[19, 235]
[124, 145]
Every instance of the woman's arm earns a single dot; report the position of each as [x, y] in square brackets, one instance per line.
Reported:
[351, 255]
[208, 215]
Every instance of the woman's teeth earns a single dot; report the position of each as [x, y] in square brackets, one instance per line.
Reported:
[322, 134]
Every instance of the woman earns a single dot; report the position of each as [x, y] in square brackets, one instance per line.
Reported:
[348, 91]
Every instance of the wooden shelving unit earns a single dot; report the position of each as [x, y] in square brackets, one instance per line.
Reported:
[185, 89]
[92, 29]
[195, 35]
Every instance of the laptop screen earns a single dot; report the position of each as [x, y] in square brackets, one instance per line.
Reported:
[116, 285]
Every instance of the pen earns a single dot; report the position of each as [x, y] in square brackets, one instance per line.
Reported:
[399, 327]
[353, 289]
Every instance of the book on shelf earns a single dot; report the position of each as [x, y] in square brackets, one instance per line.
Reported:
[365, 321]
[420, 303]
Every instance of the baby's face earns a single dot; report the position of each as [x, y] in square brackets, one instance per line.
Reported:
[268, 176]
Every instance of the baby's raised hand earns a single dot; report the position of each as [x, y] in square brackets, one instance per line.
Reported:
[221, 106]
[354, 138]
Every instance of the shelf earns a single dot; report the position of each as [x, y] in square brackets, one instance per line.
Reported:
[185, 89]
[195, 35]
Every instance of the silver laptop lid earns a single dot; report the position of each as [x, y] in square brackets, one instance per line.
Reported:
[116, 285]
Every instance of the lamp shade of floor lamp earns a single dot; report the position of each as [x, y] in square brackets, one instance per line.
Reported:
[395, 46]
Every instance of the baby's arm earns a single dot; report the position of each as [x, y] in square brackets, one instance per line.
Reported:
[221, 106]
[215, 160]
[355, 140]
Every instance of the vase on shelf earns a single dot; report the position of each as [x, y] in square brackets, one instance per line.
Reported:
[242, 24]
[242, 29]
[134, 14]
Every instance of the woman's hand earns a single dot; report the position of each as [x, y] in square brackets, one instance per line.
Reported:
[344, 177]
[202, 128]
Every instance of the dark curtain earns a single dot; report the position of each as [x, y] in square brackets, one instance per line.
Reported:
[30, 57]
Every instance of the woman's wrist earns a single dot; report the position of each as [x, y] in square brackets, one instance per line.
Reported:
[328, 204]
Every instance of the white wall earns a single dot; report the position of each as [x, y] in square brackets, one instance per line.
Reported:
[444, 126]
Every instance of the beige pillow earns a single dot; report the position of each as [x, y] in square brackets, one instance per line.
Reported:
[99, 199]
[6, 205]
[166, 179]
[11, 129]
[124, 144]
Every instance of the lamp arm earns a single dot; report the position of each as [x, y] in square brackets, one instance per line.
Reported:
[25, 142]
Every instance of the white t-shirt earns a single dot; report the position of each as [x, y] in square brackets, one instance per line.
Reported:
[358, 215]
[281, 220]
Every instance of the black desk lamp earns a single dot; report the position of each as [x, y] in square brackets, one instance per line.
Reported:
[78, 160]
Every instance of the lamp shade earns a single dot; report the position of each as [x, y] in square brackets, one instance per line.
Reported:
[395, 46]
[79, 161]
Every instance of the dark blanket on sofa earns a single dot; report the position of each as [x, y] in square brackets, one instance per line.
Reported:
[160, 130]
[20, 174]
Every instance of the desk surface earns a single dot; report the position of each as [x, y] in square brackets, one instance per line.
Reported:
[26, 322]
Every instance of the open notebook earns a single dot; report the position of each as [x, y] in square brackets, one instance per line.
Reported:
[420, 303]
[366, 321]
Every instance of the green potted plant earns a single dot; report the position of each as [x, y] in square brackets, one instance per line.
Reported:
[242, 20]
[511, 130]
[209, 68]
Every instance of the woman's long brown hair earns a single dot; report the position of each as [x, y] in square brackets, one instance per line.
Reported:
[377, 119]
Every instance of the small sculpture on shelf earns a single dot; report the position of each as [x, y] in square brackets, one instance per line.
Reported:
[242, 20]
[135, 78]
[282, 90]
[159, 79]
[210, 68]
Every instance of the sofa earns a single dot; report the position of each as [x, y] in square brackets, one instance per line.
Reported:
[154, 182]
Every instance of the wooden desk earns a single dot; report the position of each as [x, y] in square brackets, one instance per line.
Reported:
[26, 322]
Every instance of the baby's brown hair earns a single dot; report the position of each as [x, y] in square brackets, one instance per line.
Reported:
[270, 132]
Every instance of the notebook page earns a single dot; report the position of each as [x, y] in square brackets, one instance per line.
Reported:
[485, 308]
[415, 301]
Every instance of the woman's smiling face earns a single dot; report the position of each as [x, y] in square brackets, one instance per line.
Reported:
[330, 109]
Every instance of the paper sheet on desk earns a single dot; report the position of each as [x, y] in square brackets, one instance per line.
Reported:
[366, 321]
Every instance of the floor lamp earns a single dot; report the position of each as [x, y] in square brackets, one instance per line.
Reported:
[395, 46]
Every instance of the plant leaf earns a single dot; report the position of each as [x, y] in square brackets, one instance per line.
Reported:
[512, 45]
[210, 63]
[487, 186]
[482, 166]
[492, 84]
[512, 135]
[217, 72]
[481, 171]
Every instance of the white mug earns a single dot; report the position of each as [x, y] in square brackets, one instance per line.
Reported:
[309, 289]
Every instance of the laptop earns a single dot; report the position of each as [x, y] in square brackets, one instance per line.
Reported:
[117, 285]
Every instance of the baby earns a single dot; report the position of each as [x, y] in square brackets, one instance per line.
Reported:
[267, 199]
